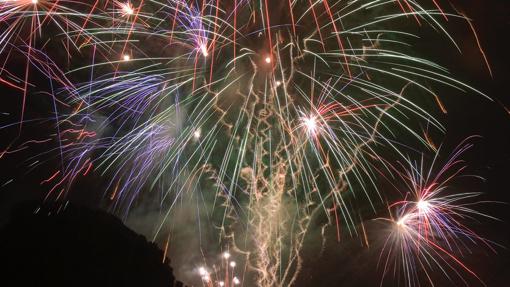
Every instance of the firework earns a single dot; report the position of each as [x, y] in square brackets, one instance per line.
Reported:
[222, 274]
[429, 231]
[274, 113]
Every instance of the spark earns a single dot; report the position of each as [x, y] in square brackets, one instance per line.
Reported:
[236, 281]
[197, 134]
[127, 9]
[310, 123]
[202, 271]
[206, 278]
[203, 49]
[402, 221]
[423, 205]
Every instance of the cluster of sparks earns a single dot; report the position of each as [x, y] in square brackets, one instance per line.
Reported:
[220, 276]
[428, 229]
[272, 112]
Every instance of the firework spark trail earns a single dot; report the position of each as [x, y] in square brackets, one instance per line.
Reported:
[429, 230]
[223, 274]
[279, 118]
[24, 22]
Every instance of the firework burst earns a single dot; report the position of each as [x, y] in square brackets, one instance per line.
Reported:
[428, 231]
[277, 113]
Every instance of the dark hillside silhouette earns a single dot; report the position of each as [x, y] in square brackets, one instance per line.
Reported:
[68, 245]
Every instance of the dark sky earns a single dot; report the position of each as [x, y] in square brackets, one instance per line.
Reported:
[347, 264]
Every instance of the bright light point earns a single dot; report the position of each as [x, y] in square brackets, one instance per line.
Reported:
[203, 48]
[197, 134]
[268, 60]
[236, 281]
[127, 9]
[423, 205]
[206, 278]
[126, 57]
[233, 264]
[402, 221]
[278, 83]
[221, 283]
[310, 124]
[202, 271]
[35, 1]
[226, 255]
